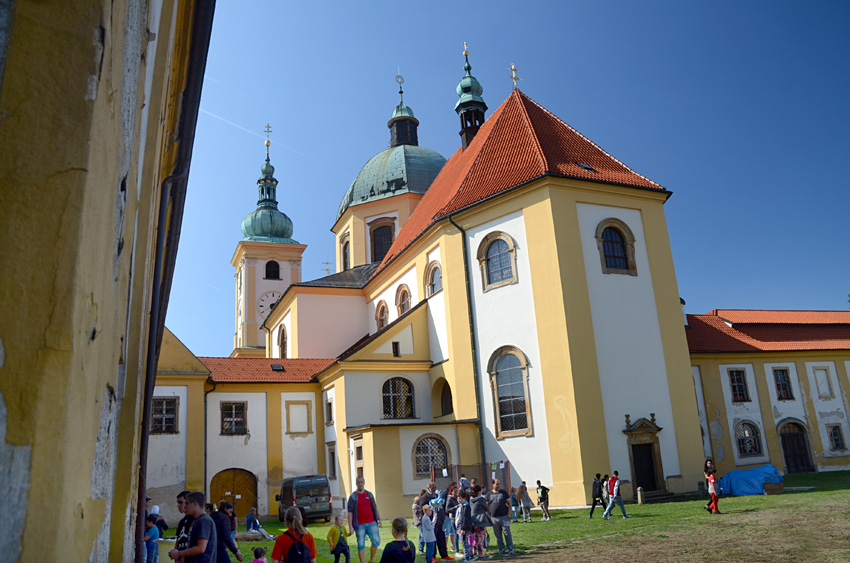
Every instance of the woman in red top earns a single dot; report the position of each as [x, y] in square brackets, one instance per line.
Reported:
[295, 539]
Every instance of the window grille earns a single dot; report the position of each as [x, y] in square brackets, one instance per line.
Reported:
[233, 420]
[164, 415]
[738, 384]
[498, 262]
[272, 270]
[783, 385]
[749, 442]
[510, 394]
[836, 438]
[430, 452]
[614, 248]
[398, 398]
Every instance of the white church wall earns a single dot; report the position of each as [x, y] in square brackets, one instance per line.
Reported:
[364, 396]
[703, 420]
[829, 406]
[167, 452]
[329, 324]
[330, 438]
[298, 432]
[629, 350]
[409, 278]
[505, 316]
[285, 323]
[404, 337]
[412, 483]
[242, 451]
[749, 411]
[438, 337]
[785, 409]
[263, 285]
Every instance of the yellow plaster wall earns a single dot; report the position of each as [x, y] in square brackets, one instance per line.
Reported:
[73, 321]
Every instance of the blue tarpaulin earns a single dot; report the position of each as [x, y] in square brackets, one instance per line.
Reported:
[740, 482]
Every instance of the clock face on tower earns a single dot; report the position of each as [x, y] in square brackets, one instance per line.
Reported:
[266, 303]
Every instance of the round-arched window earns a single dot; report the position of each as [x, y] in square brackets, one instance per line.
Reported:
[749, 441]
[429, 452]
[281, 341]
[382, 315]
[510, 394]
[398, 398]
[499, 267]
[272, 270]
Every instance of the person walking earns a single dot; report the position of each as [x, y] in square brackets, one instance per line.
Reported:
[605, 497]
[364, 519]
[524, 502]
[596, 491]
[713, 489]
[336, 539]
[543, 500]
[614, 497]
[707, 468]
[499, 505]
[202, 537]
[224, 535]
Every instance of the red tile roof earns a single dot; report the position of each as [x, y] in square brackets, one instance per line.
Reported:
[754, 316]
[520, 141]
[768, 331]
[259, 370]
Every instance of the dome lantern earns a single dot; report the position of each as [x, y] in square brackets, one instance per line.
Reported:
[403, 125]
[470, 107]
[267, 223]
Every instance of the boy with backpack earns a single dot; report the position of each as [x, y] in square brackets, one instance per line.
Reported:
[295, 545]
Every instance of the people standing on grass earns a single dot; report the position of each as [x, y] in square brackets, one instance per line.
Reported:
[514, 505]
[337, 541]
[296, 544]
[465, 529]
[449, 526]
[151, 535]
[439, 506]
[202, 537]
[416, 509]
[224, 536]
[614, 496]
[524, 502]
[499, 505]
[480, 514]
[543, 500]
[428, 533]
[400, 550]
[364, 519]
[596, 491]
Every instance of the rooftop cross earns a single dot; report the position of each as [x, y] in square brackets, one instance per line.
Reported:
[400, 79]
[268, 131]
[513, 75]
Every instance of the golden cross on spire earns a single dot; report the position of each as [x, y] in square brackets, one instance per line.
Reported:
[465, 50]
[268, 131]
[513, 75]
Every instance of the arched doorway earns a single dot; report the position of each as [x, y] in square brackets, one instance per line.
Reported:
[236, 486]
[795, 447]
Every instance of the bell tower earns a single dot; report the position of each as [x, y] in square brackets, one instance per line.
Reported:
[470, 107]
[267, 262]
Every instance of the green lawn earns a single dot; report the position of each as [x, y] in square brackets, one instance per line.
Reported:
[803, 526]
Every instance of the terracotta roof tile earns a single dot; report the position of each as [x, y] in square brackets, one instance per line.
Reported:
[259, 370]
[785, 331]
[755, 316]
[520, 141]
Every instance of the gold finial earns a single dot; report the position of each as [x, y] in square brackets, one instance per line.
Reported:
[327, 266]
[268, 131]
[513, 75]
[465, 50]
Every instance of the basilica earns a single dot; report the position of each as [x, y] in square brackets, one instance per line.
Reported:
[512, 308]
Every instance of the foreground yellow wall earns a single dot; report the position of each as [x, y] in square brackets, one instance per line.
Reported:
[76, 224]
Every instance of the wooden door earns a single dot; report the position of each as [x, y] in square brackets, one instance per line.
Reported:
[644, 467]
[236, 486]
[796, 449]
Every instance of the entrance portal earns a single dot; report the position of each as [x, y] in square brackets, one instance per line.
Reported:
[644, 467]
[645, 455]
[795, 446]
[236, 486]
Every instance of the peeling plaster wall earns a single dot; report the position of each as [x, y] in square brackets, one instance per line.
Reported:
[829, 408]
[749, 411]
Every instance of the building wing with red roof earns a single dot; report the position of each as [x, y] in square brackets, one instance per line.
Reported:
[262, 370]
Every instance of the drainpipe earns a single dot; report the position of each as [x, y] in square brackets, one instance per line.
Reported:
[173, 188]
[473, 339]
[210, 380]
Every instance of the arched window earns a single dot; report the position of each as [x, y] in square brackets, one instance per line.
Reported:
[616, 245]
[281, 341]
[346, 256]
[429, 451]
[402, 299]
[748, 439]
[382, 315]
[433, 278]
[382, 233]
[497, 259]
[398, 398]
[272, 270]
[446, 406]
[508, 370]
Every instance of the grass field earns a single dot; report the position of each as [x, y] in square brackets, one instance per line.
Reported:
[802, 526]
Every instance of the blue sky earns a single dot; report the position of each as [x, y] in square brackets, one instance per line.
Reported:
[740, 108]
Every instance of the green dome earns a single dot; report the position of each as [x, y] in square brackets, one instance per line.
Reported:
[402, 110]
[267, 223]
[396, 170]
[469, 89]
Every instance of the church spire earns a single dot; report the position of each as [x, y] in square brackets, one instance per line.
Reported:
[403, 126]
[470, 107]
[267, 223]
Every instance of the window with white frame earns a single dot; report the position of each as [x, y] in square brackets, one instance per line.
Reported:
[738, 386]
[782, 380]
[823, 383]
[836, 437]
[164, 415]
[748, 438]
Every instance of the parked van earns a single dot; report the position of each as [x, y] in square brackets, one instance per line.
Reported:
[311, 494]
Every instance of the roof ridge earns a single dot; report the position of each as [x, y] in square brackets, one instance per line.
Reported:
[540, 154]
[606, 153]
[498, 114]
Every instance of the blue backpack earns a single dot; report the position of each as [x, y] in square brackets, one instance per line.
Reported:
[438, 503]
[298, 551]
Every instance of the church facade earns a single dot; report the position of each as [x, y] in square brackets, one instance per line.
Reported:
[514, 305]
